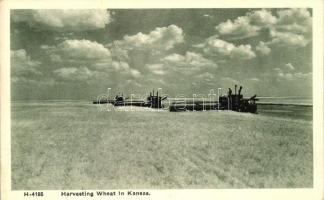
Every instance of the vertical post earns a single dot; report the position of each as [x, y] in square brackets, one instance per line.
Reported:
[193, 102]
[218, 98]
[108, 90]
[159, 99]
[211, 93]
[131, 101]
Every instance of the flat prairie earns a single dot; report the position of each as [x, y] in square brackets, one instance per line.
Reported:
[77, 145]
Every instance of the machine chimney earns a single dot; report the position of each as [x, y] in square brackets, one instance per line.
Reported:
[235, 89]
[239, 92]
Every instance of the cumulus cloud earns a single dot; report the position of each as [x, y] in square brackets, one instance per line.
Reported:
[120, 65]
[22, 64]
[92, 75]
[135, 73]
[296, 20]
[188, 62]
[160, 39]
[246, 26]
[263, 48]
[289, 66]
[293, 28]
[79, 49]
[288, 39]
[288, 28]
[287, 76]
[239, 28]
[243, 52]
[261, 17]
[217, 47]
[118, 52]
[283, 75]
[87, 61]
[207, 76]
[71, 20]
[156, 68]
[74, 74]
[254, 79]
[300, 75]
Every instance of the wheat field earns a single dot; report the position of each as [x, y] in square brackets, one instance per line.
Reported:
[75, 145]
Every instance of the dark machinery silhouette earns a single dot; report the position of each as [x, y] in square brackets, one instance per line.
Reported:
[152, 101]
[234, 102]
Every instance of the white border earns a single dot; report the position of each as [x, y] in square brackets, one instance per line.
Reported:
[312, 193]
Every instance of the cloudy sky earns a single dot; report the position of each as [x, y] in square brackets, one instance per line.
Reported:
[78, 54]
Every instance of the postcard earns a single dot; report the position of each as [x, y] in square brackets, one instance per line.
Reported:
[161, 100]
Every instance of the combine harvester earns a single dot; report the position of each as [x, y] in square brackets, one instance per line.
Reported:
[152, 101]
[234, 102]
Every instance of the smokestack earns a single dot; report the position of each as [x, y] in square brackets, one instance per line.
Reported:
[157, 93]
[235, 89]
[150, 94]
[239, 92]
[153, 92]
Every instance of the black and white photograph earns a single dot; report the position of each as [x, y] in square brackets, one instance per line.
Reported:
[161, 98]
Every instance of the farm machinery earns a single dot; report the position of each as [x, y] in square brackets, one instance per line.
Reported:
[235, 102]
[152, 101]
